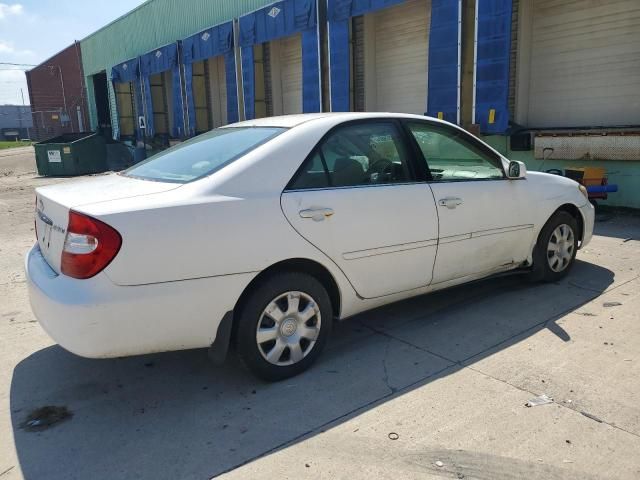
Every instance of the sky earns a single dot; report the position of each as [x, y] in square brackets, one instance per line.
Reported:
[33, 30]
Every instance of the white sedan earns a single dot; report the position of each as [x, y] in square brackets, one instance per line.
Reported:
[262, 233]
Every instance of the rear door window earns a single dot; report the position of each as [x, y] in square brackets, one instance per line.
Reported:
[354, 155]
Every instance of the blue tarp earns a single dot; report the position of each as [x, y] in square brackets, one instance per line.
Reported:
[282, 19]
[211, 42]
[492, 65]
[443, 93]
[208, 43]
[344, 9]
[126, 72]
[339, 65]
[160, 60]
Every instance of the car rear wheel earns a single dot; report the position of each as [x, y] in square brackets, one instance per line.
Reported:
[283, 325]
[556, 248]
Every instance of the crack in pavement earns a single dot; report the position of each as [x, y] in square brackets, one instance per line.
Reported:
[7, 470]
[329, 423]
[384, 366]
[591, 417]
[462, 363]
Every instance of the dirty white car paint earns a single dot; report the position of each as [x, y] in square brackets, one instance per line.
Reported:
[188, 250]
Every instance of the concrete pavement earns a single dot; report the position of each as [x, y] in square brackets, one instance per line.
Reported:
[17, 161]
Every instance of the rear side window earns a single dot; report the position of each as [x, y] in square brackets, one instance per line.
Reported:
[203, 154]
[361, 154]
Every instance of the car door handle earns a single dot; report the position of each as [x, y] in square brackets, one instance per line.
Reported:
[450, 202]
[317, 214]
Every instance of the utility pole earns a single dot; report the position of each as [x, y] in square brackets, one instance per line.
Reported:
[28, 132]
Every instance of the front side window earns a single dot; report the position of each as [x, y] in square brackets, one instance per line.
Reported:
[452, 157]
[356, 155]
[202, 155]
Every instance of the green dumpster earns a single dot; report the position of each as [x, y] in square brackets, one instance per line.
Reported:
[71, 154]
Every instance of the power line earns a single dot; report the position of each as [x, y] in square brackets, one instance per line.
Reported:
[18, 64]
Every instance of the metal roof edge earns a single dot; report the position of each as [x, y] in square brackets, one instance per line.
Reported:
[75, 43]
[115, 20]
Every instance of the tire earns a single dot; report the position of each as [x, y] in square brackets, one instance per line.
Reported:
[549, 266]
[293, 337]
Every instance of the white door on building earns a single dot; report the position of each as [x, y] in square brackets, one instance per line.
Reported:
[584, 65]
[218, 86]
[286, 74]
[396, 58]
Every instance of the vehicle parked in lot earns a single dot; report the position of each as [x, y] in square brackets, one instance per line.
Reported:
[264, 232]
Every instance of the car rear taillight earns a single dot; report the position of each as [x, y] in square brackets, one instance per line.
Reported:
[89, 246]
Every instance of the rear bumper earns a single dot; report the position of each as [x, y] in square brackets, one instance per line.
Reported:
[96, 318]
[588, 217]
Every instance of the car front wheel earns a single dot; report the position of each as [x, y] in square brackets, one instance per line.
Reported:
[556, 248]
[283, 325]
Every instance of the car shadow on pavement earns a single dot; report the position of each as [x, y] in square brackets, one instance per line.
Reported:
[174, 415]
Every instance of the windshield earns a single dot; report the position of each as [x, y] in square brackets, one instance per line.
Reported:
[203, 154]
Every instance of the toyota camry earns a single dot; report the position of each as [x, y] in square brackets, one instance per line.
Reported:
[263, 233]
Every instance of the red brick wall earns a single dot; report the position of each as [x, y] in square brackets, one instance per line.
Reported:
[52, 84]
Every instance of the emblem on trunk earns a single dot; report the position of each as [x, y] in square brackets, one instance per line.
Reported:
[44, 218]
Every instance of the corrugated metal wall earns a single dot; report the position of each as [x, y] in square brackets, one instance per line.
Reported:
[153, 24]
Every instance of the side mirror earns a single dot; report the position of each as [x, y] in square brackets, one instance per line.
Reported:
[516, 170]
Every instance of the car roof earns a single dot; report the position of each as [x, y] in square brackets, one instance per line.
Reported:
[290, 121]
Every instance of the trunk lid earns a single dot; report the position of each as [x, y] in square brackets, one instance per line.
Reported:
[53, 203]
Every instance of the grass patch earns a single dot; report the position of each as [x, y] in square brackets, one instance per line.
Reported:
[11, 144]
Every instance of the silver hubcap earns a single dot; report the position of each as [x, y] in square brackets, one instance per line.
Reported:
[288, 328]
[560, 248]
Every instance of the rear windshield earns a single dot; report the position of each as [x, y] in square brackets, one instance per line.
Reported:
[202, 155]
